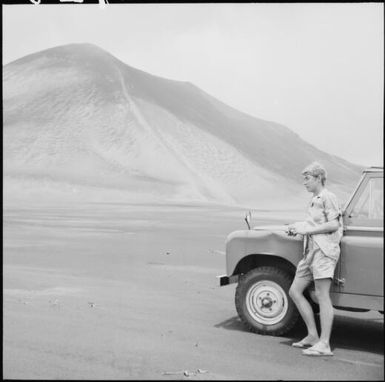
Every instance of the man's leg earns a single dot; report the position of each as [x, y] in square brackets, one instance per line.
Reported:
[296, 293]
[322, 290]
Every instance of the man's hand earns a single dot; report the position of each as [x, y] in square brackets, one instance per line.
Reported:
[291, 230]
[305, 228]
[300, 231]
[297, 229]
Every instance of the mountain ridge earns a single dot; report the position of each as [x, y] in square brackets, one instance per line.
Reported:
[78, 105]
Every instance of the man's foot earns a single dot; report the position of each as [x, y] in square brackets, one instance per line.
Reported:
[309, 340]
[319, 349]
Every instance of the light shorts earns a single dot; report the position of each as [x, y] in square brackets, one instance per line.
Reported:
[316, 265]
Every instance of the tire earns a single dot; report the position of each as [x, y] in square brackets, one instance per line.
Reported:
[263, 303]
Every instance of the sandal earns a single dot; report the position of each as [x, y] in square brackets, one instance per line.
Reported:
[317, 353]
[301, 344]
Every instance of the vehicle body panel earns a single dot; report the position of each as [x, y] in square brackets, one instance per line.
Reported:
[362, 245]
[261, 242]
[357, 301]
[362, 262]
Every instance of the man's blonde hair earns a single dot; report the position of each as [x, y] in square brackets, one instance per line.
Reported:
[316, 169]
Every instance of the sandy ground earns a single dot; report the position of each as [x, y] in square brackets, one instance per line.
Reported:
[116, 291]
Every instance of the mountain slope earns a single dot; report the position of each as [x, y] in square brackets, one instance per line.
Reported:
[77, 115]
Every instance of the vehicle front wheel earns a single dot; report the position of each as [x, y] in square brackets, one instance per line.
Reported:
[263, 303]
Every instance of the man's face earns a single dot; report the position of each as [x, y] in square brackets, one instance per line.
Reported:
[311, 182]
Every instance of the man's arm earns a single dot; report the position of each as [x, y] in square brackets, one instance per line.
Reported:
[327, 227]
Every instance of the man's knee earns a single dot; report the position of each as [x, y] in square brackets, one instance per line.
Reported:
[322, 295]
[294, 293]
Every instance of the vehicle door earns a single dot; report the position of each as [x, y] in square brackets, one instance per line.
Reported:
[361, 263]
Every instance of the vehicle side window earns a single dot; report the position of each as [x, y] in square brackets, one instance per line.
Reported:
[369, 206]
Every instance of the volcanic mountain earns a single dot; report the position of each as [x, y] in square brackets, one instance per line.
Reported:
[77, 118]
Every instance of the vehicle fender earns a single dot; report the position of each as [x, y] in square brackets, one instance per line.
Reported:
[240, 244]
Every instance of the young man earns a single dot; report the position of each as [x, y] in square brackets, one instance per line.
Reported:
[322, 231]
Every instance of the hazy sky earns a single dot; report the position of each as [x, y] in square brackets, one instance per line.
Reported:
[316, 68]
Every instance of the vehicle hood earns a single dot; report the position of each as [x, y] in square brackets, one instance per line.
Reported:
[271, 228]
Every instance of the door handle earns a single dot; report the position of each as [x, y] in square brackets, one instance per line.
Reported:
[340, 282]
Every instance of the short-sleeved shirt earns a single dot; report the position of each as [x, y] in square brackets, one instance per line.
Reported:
[324, 208]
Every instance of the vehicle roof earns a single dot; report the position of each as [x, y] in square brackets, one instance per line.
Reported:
[374, 169]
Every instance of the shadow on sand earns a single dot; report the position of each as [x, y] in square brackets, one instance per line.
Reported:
[348, 333]
[233, 323]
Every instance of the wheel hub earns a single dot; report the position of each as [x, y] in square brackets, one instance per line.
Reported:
[266, 302]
